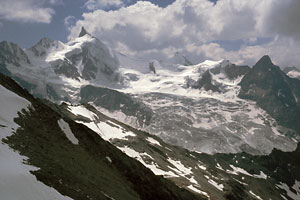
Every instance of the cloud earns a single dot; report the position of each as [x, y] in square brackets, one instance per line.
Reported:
[195, 27]
[26, 11]
[284, 18]
[69, 21]
[56, 2]
[99, 4]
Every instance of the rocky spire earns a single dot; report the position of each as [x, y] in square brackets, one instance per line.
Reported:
[82, 32]
[264, 62]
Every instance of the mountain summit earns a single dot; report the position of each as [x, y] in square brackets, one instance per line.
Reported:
[83, 32]
[273, 91]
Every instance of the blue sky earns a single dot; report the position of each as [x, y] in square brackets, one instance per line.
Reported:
[238, 30]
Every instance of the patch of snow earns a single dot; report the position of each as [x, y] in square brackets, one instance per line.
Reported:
[237, 170]
[262, 175]
[153, 166]
[214, 183]
[64, 126]
[130, 152]
[192, 180]
[296, 186]
[108, 159]
[241, 182]
[194, 189]
[81, 110]
[219, 167]
[168, 149]
[256, 196]
[109, 132]
[153, 141]
[294, 74]
[202, 167]
[290, 193]
[182, 169]
[120, 116]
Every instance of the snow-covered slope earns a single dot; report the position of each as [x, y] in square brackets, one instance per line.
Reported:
[198, 107]
[181, 80]
[294, 74]
[56, 71]
[16, 181]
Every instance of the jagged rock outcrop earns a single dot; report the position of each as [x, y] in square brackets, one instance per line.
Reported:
[233, 71]
[273, 91]
[206, 82]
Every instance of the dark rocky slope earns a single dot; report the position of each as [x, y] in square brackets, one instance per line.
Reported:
[274, 92]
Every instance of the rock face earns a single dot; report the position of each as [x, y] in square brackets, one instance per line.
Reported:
[116, 101]
[273, 91]
[83, 32]
[44, 46]
[11, 53]
[213, 78]
[206, 82]
[234, 71]
[152, 68]
[66, 68]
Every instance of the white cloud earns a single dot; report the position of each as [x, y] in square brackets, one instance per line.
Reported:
[26, 11]
[99, 4]
[283, 52]
[195, 26]
[69, 21]
[56, 2]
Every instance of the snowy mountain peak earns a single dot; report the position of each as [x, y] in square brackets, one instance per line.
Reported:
[45, 46]
[11, 53]
[209, 64]
[83, 57]
[44, 42]
[82, 32]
